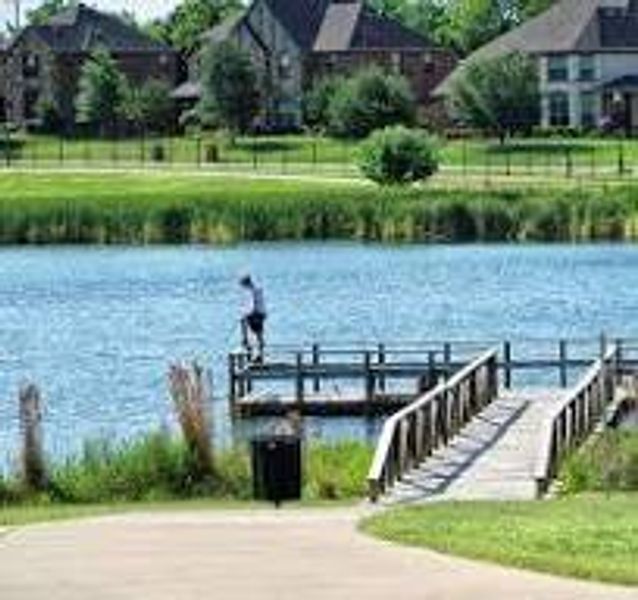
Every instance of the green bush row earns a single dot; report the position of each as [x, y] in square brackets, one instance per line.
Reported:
[158, 467]
[146, 210]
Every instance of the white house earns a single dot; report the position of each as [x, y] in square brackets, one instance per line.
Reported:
[587, 52]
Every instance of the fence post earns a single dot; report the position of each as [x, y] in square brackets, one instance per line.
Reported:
[621, 158]
[569, 167]
[7, 145]
[381, 360]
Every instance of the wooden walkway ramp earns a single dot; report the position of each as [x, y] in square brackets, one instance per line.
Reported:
[492, 458]
[472, 439]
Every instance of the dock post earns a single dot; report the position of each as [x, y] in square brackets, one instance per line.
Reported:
[432, 375]
[299, 383]
[316, 360]
[232, 382]
[562, 353]
[507, 361]
[369, 377]
[241, 377]
[619, 360]
[447, 359]
[381, 360]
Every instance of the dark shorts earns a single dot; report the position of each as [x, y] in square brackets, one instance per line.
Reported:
[256, 322]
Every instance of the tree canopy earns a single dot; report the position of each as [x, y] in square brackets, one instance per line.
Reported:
[462, 25]
[184, 26]
[101, 91]
[230, 93]
[500, 95]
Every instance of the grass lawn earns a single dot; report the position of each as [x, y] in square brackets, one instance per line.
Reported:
[537, 156]
[17, 516]
[590, 537]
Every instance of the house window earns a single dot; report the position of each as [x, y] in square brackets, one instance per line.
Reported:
[396, 62]
[30, 65]
[588, 110]
[557, 68]
[30, 99]
[558, 109]
[586, 68]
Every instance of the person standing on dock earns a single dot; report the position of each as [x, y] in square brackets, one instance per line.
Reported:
[254, 316]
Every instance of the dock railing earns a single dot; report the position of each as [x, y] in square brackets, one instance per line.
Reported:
[413, 433]
[576, 416]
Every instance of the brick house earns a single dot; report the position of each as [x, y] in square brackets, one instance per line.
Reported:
[295, 42]
[587, 55]
[43, 62]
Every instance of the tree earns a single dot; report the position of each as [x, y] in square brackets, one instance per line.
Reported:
[101, 91]
[149, 106]
[500, 94]
[47, 9]
[398, 156]
[316, 102]
[369, 100]
[230, 93]
[185, 25]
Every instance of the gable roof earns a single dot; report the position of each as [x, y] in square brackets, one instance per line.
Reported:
[349, 25]
[567, 26]
[300, 18]
[81, 29]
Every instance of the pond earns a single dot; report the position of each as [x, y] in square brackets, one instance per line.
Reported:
[96, 328]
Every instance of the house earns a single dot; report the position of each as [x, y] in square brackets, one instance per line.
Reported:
[294, 42]
[43, 62]
[587, 53]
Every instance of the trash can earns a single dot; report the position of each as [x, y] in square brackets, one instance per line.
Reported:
[276, 465]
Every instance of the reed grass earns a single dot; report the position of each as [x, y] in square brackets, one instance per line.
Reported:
[609, 464]
[153, 209]
[159, 467]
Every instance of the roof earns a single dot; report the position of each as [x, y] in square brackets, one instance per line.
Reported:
[567, 26]
[300, 18]
[81, 29]
[222, 32]
[352, 25]
[189, 90]
[338, 27]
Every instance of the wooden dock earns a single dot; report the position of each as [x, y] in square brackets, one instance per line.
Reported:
[459, 425]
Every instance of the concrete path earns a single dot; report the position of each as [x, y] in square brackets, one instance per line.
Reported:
[493, 458]
[291, 555]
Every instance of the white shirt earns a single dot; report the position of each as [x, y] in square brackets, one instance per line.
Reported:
[255, 301]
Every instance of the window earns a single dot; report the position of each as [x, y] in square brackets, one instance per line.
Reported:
[30, 100]
[558, 109]
[396, 62]
[586, 68]
[30, 65]
[588, 110]
[285, 66]
[557, 68]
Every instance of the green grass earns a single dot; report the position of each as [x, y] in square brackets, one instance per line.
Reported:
[539, 156]
[156, 468]
[609, 463]
[589, 537]
[149, 208]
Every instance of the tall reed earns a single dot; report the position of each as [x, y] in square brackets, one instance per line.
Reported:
[190, 391]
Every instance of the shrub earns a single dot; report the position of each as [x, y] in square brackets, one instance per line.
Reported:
[370, 100]
[157, 153]
[397, 155]
[316, 103]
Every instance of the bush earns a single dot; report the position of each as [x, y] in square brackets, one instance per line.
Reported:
[370, 100]
[316, 103]
[397, 155]
[157, 153]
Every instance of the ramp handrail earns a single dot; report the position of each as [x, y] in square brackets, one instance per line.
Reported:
[414, 432]
[576, 416]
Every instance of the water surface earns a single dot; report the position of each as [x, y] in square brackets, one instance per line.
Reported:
[96, 328]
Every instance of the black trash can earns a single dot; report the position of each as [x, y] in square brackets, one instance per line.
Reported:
[276, 464]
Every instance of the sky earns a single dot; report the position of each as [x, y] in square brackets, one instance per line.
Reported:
[144, 9]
